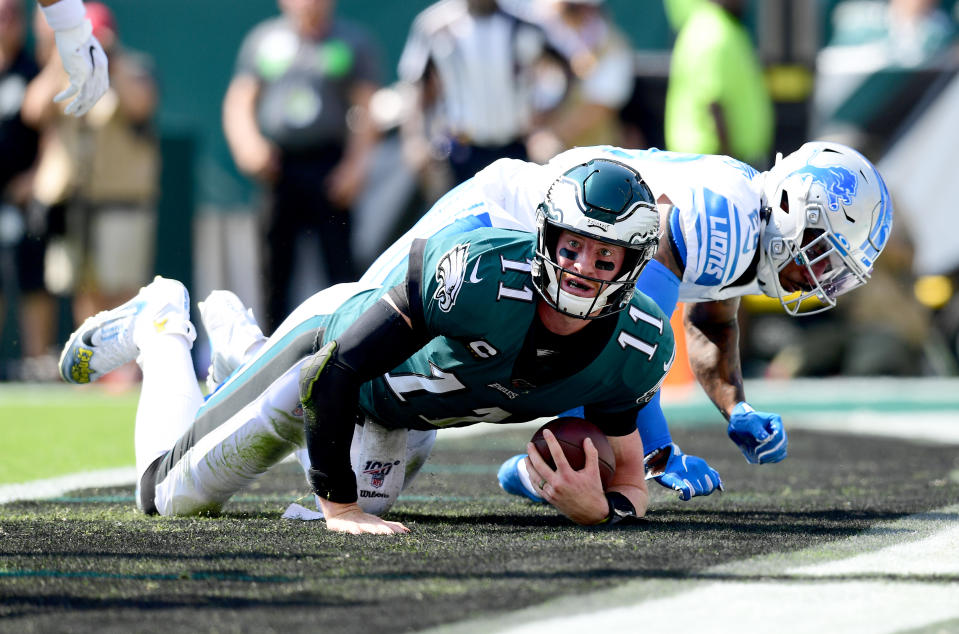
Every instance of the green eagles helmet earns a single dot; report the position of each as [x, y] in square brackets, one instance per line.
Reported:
[603, 200]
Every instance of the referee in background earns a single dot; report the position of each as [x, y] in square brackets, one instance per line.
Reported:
[476, 72]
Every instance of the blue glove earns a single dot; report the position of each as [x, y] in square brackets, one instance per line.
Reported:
[690, 475]
[760, 435]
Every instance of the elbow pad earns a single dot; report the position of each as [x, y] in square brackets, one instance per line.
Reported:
[329, 393]
[330, 380]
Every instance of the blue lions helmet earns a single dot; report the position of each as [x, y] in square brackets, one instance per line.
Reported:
[603, 200]
[826, 209]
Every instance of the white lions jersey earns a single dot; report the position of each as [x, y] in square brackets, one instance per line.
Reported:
[714, 224]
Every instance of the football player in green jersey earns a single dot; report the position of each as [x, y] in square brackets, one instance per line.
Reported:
[495, 326]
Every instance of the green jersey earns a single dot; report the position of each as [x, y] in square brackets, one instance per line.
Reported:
[479, 305]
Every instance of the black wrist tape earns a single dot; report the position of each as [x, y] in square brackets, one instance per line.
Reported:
[341, 490]
[620, 508]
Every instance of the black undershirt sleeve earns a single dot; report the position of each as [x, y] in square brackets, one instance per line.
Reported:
[378, 341]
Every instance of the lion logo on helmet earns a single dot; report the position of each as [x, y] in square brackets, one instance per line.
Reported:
[839, 184]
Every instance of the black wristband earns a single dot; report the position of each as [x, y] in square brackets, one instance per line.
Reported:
[341, 490]
[620, 508]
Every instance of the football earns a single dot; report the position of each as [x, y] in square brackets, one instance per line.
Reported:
[571, 432]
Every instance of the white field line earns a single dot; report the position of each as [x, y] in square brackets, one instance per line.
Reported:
[937, 554]
[784, 608]
[934, 427]
[52, 487]
[868, 586]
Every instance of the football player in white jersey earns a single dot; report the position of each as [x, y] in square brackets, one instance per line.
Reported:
[808, 229]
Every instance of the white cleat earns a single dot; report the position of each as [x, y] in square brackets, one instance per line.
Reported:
[233, 334]
[108, 339]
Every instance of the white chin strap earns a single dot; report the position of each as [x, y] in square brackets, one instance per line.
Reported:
[574, 304]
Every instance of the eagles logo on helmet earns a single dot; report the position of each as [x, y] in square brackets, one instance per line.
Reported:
[603, 200]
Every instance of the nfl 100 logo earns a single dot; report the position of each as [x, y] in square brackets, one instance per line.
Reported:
[377, 471]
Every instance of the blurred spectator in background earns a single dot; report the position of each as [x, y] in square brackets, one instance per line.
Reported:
[97, 177]
[717, 101]
[475, 69]
[601, 60]
[900, 32]
[881, 57]
[22, 238]
[296, 117]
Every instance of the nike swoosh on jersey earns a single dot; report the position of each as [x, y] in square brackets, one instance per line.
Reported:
[542, 352]
[473, 279]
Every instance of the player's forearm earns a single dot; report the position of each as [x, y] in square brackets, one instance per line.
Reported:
[713, 349]
[630, 476]
[376, 342]
[329, 393]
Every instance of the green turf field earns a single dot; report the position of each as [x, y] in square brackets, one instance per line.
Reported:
[478, 560]
[56, 430]
[90, 560]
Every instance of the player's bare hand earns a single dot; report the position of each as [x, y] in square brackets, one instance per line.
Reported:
[576, 494]
[350, 518]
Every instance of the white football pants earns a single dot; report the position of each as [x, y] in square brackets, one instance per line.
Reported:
[253, 421]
